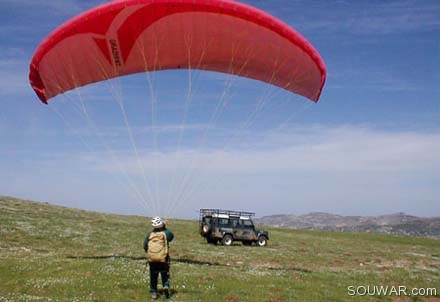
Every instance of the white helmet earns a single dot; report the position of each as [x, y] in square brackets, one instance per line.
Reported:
[156, 222]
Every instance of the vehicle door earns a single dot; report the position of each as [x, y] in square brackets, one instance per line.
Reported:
[236, 228]
[247, 229]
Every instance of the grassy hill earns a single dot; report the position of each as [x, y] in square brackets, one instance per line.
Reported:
[53, 253]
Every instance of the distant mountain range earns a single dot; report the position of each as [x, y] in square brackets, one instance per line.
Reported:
[397, 224]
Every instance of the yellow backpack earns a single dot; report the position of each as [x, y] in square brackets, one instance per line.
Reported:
[157, 247]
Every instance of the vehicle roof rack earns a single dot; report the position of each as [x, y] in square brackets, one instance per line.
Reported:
[226, 212]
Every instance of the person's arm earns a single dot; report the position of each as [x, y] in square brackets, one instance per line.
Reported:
[170, 235]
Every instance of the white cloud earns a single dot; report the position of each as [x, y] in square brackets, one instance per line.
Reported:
[398, 16]
[54, 7]
[348, 170]
[14, 70]
[387, 17]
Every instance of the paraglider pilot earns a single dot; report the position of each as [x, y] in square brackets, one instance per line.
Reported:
[156, 245]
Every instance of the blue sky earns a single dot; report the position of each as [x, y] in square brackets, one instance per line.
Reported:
[370, 146]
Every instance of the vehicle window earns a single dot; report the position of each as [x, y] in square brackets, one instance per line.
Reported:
[235, 223]
[224, 221]
[247, 223]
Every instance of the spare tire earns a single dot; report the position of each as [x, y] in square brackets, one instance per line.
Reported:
[206, 228]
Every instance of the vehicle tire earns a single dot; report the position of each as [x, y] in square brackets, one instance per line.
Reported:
[205, 228]
[227, 240]
[262, 241]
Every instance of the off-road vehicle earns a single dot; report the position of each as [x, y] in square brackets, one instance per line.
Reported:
[227, 226]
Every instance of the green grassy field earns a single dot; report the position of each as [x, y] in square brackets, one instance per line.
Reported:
[52, 253]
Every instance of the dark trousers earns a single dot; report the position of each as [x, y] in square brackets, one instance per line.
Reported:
[156, 268]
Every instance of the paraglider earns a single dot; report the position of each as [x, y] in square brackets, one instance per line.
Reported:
[130, 36]
[126, 37]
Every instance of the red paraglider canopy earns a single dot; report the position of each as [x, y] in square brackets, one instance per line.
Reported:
[131, 36]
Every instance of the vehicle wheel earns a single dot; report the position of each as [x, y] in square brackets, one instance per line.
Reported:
[205, 229]
[227, 240]
[262, 241]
